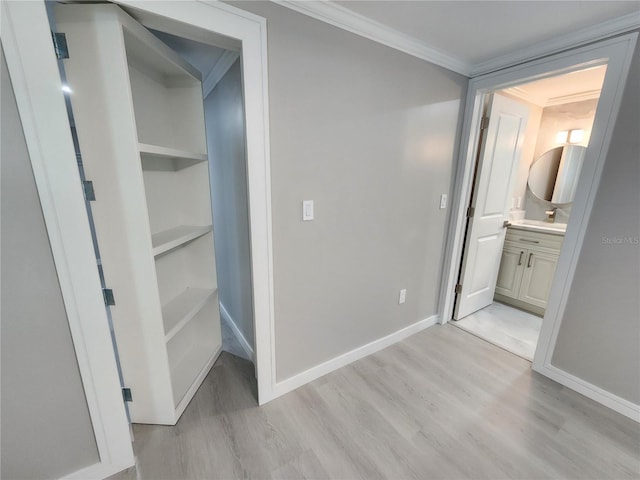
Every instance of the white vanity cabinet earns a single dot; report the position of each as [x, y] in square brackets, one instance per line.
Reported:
[139, 117]
[529, 260]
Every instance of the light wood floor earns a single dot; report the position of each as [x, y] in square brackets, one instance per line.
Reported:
[441, 404]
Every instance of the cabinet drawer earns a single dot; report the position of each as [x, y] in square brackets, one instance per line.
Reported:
[534, 239]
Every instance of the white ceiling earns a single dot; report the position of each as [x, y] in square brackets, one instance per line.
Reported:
[477, 31]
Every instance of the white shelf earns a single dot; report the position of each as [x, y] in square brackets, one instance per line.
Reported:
[174, 237]
[179, 311]
[153, 155]
[188, 369]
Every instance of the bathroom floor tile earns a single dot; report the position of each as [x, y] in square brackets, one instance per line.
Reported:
[507, 327]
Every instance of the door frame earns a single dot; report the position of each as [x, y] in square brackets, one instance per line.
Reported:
[33, 68]
[617, 54]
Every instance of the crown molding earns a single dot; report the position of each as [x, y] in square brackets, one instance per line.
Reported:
[218, 70]
[580, 37]
[576, 97]
[543, 101]
[338, 16]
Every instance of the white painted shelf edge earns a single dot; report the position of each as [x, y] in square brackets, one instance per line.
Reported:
[174, 237]
[171, 153]
[189, 369]
[179, 311]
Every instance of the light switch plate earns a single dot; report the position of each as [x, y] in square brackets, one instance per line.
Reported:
[443, 201]
[307, 210]
[403, 296]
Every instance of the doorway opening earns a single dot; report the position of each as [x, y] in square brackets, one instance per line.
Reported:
[224, 112]
[532, 148]
[162, 123]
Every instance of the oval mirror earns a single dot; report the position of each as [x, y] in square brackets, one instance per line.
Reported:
[553, 177]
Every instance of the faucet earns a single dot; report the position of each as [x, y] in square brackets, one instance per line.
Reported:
[551, 215]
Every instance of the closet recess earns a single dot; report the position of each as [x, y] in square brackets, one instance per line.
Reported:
[139, 117]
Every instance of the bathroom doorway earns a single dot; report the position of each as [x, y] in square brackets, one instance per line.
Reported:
[534, 137]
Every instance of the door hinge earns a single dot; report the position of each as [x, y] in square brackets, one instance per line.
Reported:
[470, 212]
[459, 288]
[60, 45]
[89, 193]
[126, 395]
[108, 296]
[484, 123]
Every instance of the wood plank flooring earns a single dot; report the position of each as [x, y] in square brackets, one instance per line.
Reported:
[440, 404]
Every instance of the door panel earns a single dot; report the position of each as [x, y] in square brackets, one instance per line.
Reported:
[511, 270]
[486, 250]
[538, 276]
[499, 158]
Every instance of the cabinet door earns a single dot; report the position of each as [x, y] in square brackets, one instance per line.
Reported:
[538, 275]
[511, 269]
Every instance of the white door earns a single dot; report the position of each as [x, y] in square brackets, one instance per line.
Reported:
[499, 157]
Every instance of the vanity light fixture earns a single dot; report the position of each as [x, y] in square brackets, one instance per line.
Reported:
[570, 136]
[562, 136]
[576, 136]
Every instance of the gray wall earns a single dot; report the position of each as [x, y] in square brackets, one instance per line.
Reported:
[599, 339]
[224, 113]
[46, 429]
[369, 134]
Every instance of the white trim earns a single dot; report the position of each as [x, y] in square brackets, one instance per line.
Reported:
[341, 17]
[97, 470]
[608, 399]
[576, 97]
[26, 40]
[353, 22]
[559, 100]
[246, 346]
[218, 70]
[571, 40]
[349, 357]
[617, 54]
[220, 19]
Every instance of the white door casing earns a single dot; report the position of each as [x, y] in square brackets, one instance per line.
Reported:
[499, 157]
[26, 39]
[616, 53]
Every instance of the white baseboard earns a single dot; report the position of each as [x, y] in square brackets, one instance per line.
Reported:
[246, 346]
[329, 366]
[96, 471]
[595, 393]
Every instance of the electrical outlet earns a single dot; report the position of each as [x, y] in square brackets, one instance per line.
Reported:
[403, 296]
[443, 201]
